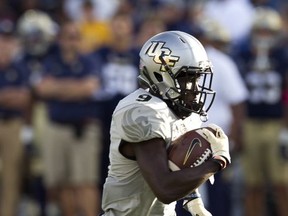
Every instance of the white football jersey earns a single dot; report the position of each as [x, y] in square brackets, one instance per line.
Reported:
[139, 116]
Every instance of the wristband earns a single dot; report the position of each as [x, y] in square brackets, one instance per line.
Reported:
[192, 196]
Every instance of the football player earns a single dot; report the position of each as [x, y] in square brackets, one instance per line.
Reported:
[175, 95]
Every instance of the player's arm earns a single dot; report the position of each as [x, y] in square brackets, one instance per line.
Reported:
[15, 97]
[67, 89]
[168, 186]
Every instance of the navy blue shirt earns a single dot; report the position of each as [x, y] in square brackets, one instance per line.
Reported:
[14, 75]
[119, 70]
[34, 64]
[71, 111]
[265, 88]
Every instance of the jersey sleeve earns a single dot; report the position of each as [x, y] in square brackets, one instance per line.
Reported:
[142, 123]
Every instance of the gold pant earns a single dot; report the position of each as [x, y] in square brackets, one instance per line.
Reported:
[261, 159]
[11, 154]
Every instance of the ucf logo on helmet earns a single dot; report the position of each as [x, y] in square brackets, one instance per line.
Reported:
[156, 49]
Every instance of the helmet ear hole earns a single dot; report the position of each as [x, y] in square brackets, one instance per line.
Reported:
[158, 77]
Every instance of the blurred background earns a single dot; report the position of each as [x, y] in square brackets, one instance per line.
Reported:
[65, 64]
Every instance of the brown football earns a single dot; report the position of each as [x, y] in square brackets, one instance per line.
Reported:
[189, 150]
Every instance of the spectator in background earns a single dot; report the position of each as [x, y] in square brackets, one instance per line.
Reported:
[119, 68]
[235, 15]
[96, 33]
[72, 140]
[228, 111]
[119, 71]
[264, 65]
[36, 31]
[14, 98]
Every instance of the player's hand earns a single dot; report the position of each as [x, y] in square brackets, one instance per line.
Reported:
[197, 208]
[219, 144]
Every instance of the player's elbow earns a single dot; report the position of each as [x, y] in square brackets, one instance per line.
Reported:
[167, 193]
[166, 196]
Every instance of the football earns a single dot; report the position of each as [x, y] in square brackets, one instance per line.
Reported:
[189, 150]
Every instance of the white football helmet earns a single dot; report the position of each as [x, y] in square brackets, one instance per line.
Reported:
[37, 31]
[214, 31]
[267, 18]
[174, 66]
